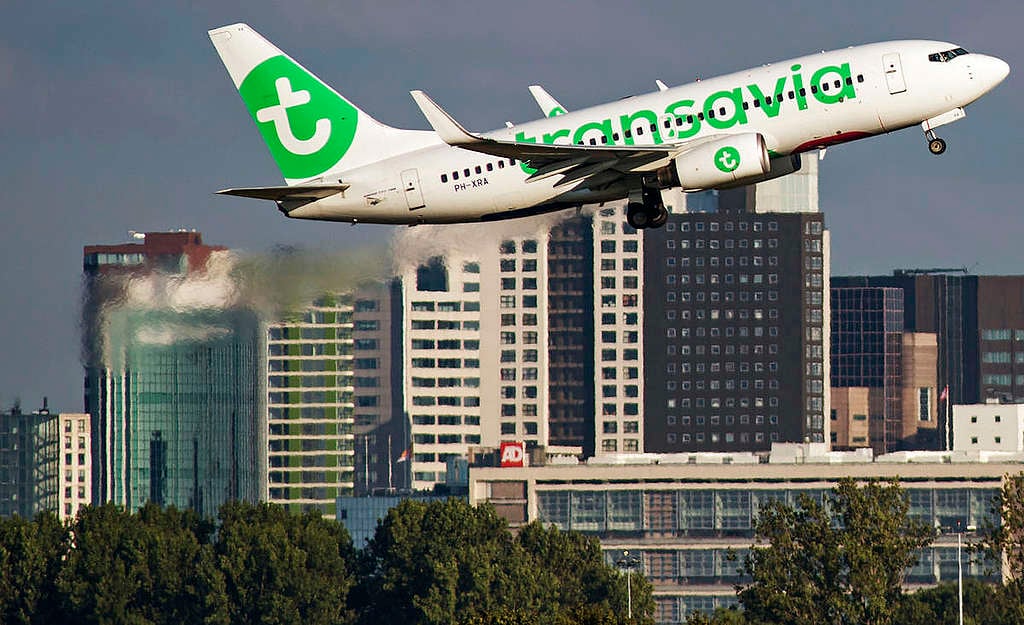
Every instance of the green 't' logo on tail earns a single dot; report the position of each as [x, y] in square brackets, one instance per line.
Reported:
[307, 127]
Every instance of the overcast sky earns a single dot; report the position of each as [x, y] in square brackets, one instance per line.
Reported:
[119, 116]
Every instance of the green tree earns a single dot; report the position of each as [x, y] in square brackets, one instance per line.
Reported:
[155, 567]
[839, 564]
[31, 555]
[449, 562]
[282, 568]
[939, 605]
[436, 562]
[1002, 533]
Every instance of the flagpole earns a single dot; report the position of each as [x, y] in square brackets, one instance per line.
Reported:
[390, 462]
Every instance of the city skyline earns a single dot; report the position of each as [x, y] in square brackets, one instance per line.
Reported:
[123, 120]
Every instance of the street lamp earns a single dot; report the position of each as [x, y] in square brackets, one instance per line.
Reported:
[628, 562]
[960, 567]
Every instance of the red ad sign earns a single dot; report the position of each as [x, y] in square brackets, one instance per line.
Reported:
[513, 455]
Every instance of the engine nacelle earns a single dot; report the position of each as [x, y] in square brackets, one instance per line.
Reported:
[780, 166]
[723, 162]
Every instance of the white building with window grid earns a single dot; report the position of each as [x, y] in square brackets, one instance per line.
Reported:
[618, 333]
[514, 338]
[441, 334]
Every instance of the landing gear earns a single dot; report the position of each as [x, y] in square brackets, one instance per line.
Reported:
[935, 145]
[649, 211]
[642, 216]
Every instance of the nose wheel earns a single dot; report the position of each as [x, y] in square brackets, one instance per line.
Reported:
[935, 145]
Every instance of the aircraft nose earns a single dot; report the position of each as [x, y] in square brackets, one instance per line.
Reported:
[994, 70]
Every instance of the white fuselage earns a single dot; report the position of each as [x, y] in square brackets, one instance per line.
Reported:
[827, 98]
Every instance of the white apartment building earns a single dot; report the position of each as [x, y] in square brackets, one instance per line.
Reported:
[75, 472]
[618, 330]
[514, 338]
[441, 358]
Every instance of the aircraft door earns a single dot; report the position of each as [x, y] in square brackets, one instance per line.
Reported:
[893, 73]
[411, 186]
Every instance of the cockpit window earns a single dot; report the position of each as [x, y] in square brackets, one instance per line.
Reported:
[948, 55]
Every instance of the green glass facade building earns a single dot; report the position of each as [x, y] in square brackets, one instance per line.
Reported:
[310, 404]
[177, 398]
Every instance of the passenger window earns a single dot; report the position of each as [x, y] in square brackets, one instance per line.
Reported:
[746, 105]
[778, 97]
[639, 131]
[478, 169]
[679, 121]
[593, 141]
[490, 166]
[604, 139]
[849, 80]
[501, 164]
[791, 95]
[628, 134]
[580, 142]
[721, 111]
[444, 177]
[455, 175]
[689, 119]
[668, 123]
[814, 88]
[615, 136]
[757, 104]
[767, 99]
[838, 84]
[711, 114]
[465, 172]
[512, 162]
[824, 87]
[654, 127]
[860, 77]
[803, 91]
[700, 116]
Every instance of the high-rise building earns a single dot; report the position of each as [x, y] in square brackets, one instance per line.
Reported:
[618, 268]
[44, 462]
[441, 362]
[737, 356]
[979, 325]
[310, 398]
[514, 331]
[175, 376]
[570, 345]
[381, 424]
[867, 351]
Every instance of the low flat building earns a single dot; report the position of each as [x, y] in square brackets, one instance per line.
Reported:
[686, 514]
[992, 427]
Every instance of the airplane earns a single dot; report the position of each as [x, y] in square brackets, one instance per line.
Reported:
[341, 164]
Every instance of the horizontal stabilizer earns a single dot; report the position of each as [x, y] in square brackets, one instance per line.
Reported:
[308, 193]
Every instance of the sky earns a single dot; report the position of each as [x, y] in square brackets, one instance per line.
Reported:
[119, 116]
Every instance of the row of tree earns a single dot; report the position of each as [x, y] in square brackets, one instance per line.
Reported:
[844, 561]
[442, 562]
[841, 561]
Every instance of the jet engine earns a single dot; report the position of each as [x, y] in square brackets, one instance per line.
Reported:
[722, 162]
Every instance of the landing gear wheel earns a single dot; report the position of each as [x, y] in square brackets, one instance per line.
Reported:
[637, 215]
[937, 146]
[659, 217]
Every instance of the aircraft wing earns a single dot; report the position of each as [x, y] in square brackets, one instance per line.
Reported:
[574, 162]
[308, 193]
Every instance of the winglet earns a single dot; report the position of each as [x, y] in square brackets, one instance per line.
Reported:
[450, 131]
[548, 105]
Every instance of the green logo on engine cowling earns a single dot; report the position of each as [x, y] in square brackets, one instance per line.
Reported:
[307, 127]
[727, 159]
